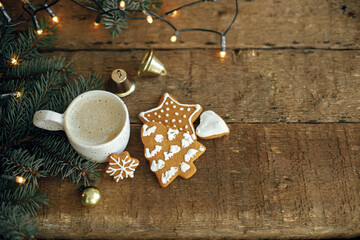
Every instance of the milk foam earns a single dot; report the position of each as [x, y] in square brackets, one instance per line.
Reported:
[95, 119]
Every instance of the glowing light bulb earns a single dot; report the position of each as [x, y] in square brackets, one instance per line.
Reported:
[173, 38]
[18, 94]
[174, 13]
[40, 31]
[14, 61]
[20, 180]
[1, 5]
[222, 54]
[149, 19]
[55, 19]
[122, 5]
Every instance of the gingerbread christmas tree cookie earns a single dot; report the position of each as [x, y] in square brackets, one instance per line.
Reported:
[173, 114]
[171, 153]
[121, 166]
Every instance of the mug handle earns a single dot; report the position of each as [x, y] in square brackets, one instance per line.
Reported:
[49, 120]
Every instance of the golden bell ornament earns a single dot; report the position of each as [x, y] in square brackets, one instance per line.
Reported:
[151, 66]
[90, 196]
[120, 84]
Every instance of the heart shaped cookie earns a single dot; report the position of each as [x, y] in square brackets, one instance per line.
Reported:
[211, 126]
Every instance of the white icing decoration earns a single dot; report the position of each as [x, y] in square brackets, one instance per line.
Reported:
[184, 166]
[202, 148]
[171, 102]
[148, 115]
[167, 115]
[148, 131]
[177, 114]
[181, 108]
[188, 106]
[167, 109]
[161, 110]
[173, 120]
[155, 113]
[184, 116]
[186, 126]
[174, 106]
[173, 149]
[190, 154]
[124, 166]
[180, 129]
[172, 133]
[156, 166]
[211, 124]
[166, 120]
[159, 138]
[165, 177]
[151, 154]
[159, 116]
[174, 125]
[187, 140]
[179, 120]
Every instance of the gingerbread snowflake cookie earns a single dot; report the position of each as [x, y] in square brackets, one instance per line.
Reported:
[171, 113]
[121, 166]
[171, 153]
[211, 126]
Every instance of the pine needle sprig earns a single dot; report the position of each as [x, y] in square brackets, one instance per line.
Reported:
[15, 224]
[20, 162]
[61, 158]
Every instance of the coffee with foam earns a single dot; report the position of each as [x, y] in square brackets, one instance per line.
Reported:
[95, 119]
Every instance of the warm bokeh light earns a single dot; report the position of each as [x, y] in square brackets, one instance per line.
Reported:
[40, 31]
[55, 19]
[122, 5]
[173, 38]
[14, 61]
[174, 13]
[96, 24]
[222, 54]
[18, 94]
[149, 19]
[20, 180]
[1, 5]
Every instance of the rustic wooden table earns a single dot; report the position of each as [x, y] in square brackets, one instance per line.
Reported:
[288, 89]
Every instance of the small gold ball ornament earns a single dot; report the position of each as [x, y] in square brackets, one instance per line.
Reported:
[90, 196]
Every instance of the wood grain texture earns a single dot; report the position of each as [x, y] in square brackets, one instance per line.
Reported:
[261, 24]
[255, 86]
[261, 181]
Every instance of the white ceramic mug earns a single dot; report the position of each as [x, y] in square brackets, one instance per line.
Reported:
[86, 119]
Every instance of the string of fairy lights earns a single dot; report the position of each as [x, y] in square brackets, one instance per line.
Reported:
[30, 10]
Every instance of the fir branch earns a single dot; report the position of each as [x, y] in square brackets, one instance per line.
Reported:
[14, 224]
[61, 158]
[21, 163]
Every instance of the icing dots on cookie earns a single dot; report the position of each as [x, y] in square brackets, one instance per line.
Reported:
[168, 109]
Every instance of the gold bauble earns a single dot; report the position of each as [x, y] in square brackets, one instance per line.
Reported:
[90, 196]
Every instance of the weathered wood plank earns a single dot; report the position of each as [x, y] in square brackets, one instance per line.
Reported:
[248, 86]
[261, 181]
[261, 24]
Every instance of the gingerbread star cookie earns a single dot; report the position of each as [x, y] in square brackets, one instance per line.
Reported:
[171, 113]
[121, 166]
[171, 153]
